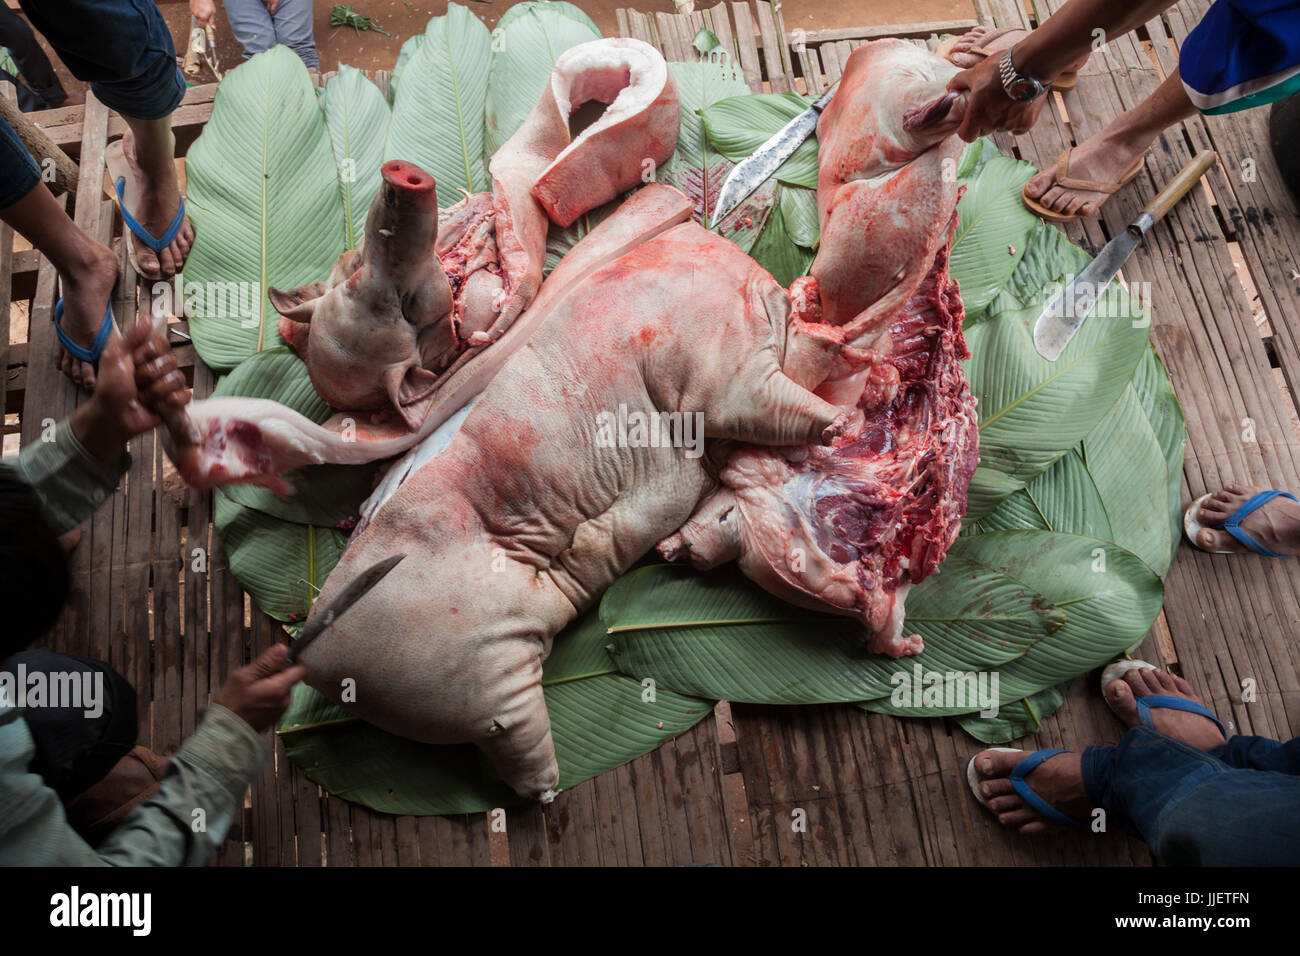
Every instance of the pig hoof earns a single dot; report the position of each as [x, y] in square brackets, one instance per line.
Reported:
[673, 548]
[836, 428]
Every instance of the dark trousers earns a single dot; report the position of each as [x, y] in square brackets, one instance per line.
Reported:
[38, 87]
[74, 751]
[1235, 805]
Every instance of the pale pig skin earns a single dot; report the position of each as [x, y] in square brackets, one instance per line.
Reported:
[525, 520]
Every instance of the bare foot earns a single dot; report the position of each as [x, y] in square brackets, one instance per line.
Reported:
[1191, 729]
[1275, 525]
[86, 291]
[160, 197]
[1100, 159]
[1058, 780]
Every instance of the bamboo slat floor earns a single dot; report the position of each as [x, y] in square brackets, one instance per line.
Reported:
[873, 790]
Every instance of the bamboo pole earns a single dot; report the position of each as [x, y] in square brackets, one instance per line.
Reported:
[62, 178]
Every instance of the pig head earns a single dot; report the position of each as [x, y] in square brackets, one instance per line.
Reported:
[426, 292]
[364, 333]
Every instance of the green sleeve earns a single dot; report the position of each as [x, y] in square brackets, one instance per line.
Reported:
[181, 824]
[70, 481]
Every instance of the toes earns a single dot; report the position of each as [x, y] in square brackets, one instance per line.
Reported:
[1213, 540]
[1007, 803]
[1034, 188]
[147, 261]
[1166, 681]
[1122, 701]
[997, 788]
[1015, 819]
[1181, 686]
[1243, 491]
[1150, 680]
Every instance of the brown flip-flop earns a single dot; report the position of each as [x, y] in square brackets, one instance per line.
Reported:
[1066, 81]
[1064, 180]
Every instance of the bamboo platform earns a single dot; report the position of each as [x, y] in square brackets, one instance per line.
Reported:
[875, 790]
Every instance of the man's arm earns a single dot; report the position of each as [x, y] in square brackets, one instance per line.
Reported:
[1063, 39]
[191, 812]
[86, 456]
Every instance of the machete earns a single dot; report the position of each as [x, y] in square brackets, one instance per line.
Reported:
[357, 589]
[751, 172]
[1063, 315]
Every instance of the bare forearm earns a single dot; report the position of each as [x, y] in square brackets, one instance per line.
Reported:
[1067, 36]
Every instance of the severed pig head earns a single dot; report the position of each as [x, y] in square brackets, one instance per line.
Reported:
[363, 334]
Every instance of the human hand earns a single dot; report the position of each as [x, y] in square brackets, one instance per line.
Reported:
[987, 108]
[260, 692]
[204, 11]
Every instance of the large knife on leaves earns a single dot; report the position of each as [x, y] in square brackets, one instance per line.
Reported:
[1063, 315]
[752, 171]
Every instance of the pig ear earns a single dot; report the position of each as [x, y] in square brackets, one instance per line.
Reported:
[297, 304]
[411, 392]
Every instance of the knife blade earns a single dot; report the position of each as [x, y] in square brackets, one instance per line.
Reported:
[752, 171]
[1067, 310]
[357, 588]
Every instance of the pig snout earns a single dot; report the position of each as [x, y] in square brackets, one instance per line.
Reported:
[924, 118]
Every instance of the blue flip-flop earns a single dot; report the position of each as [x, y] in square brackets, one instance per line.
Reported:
[91, 354]
[1150, 702]
[156, 243]
[1193, 527]
[1018, 774]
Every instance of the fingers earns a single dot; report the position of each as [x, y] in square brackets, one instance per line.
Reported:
[270, 662]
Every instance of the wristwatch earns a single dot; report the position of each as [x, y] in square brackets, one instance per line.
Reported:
[1019, 87]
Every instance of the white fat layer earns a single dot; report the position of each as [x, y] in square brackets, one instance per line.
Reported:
[415, 459]
[625, 73]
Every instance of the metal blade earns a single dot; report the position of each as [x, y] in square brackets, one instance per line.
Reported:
[1063, 315]
[357, 588]
[752, 172]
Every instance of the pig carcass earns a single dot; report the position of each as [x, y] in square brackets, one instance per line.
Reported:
[527, 516]
[876, 330]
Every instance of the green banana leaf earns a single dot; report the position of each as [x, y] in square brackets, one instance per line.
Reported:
[264, 198]
[799, 215]
[776, 251]
[438, 108]
[697, 169]
[1109, 596]
[740, 124]
[1015, 719]
[600, 720]
[524, 47]
[718, 635]
[993, 228]
[282, 564]
[325, 495]
[356, 115]
[403, 57]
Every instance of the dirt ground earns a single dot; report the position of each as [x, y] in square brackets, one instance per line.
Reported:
[404, 18]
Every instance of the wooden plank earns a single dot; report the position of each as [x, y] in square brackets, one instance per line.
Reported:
[904, 30]
[668, 39]
[717, 20]
[745, 33]
[831, 62]
[775, 54]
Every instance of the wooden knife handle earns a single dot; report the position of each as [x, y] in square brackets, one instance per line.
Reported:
[1187, 177]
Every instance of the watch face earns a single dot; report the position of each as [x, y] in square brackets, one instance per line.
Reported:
[1022, 89]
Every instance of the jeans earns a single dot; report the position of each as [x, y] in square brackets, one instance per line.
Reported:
[75, 751]
[122, 48]
[38, 86]
[1235, 805]
[258, 31]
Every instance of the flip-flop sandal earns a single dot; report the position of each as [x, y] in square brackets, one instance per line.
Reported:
[91, 354]
[1066, 81]
[1192, 527]
[1064, 180]
[1026, 793]
[1116, 671]
[128, 195]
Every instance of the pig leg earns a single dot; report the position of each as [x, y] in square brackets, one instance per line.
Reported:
[779, 412]
[517, 740]
[710, 537]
